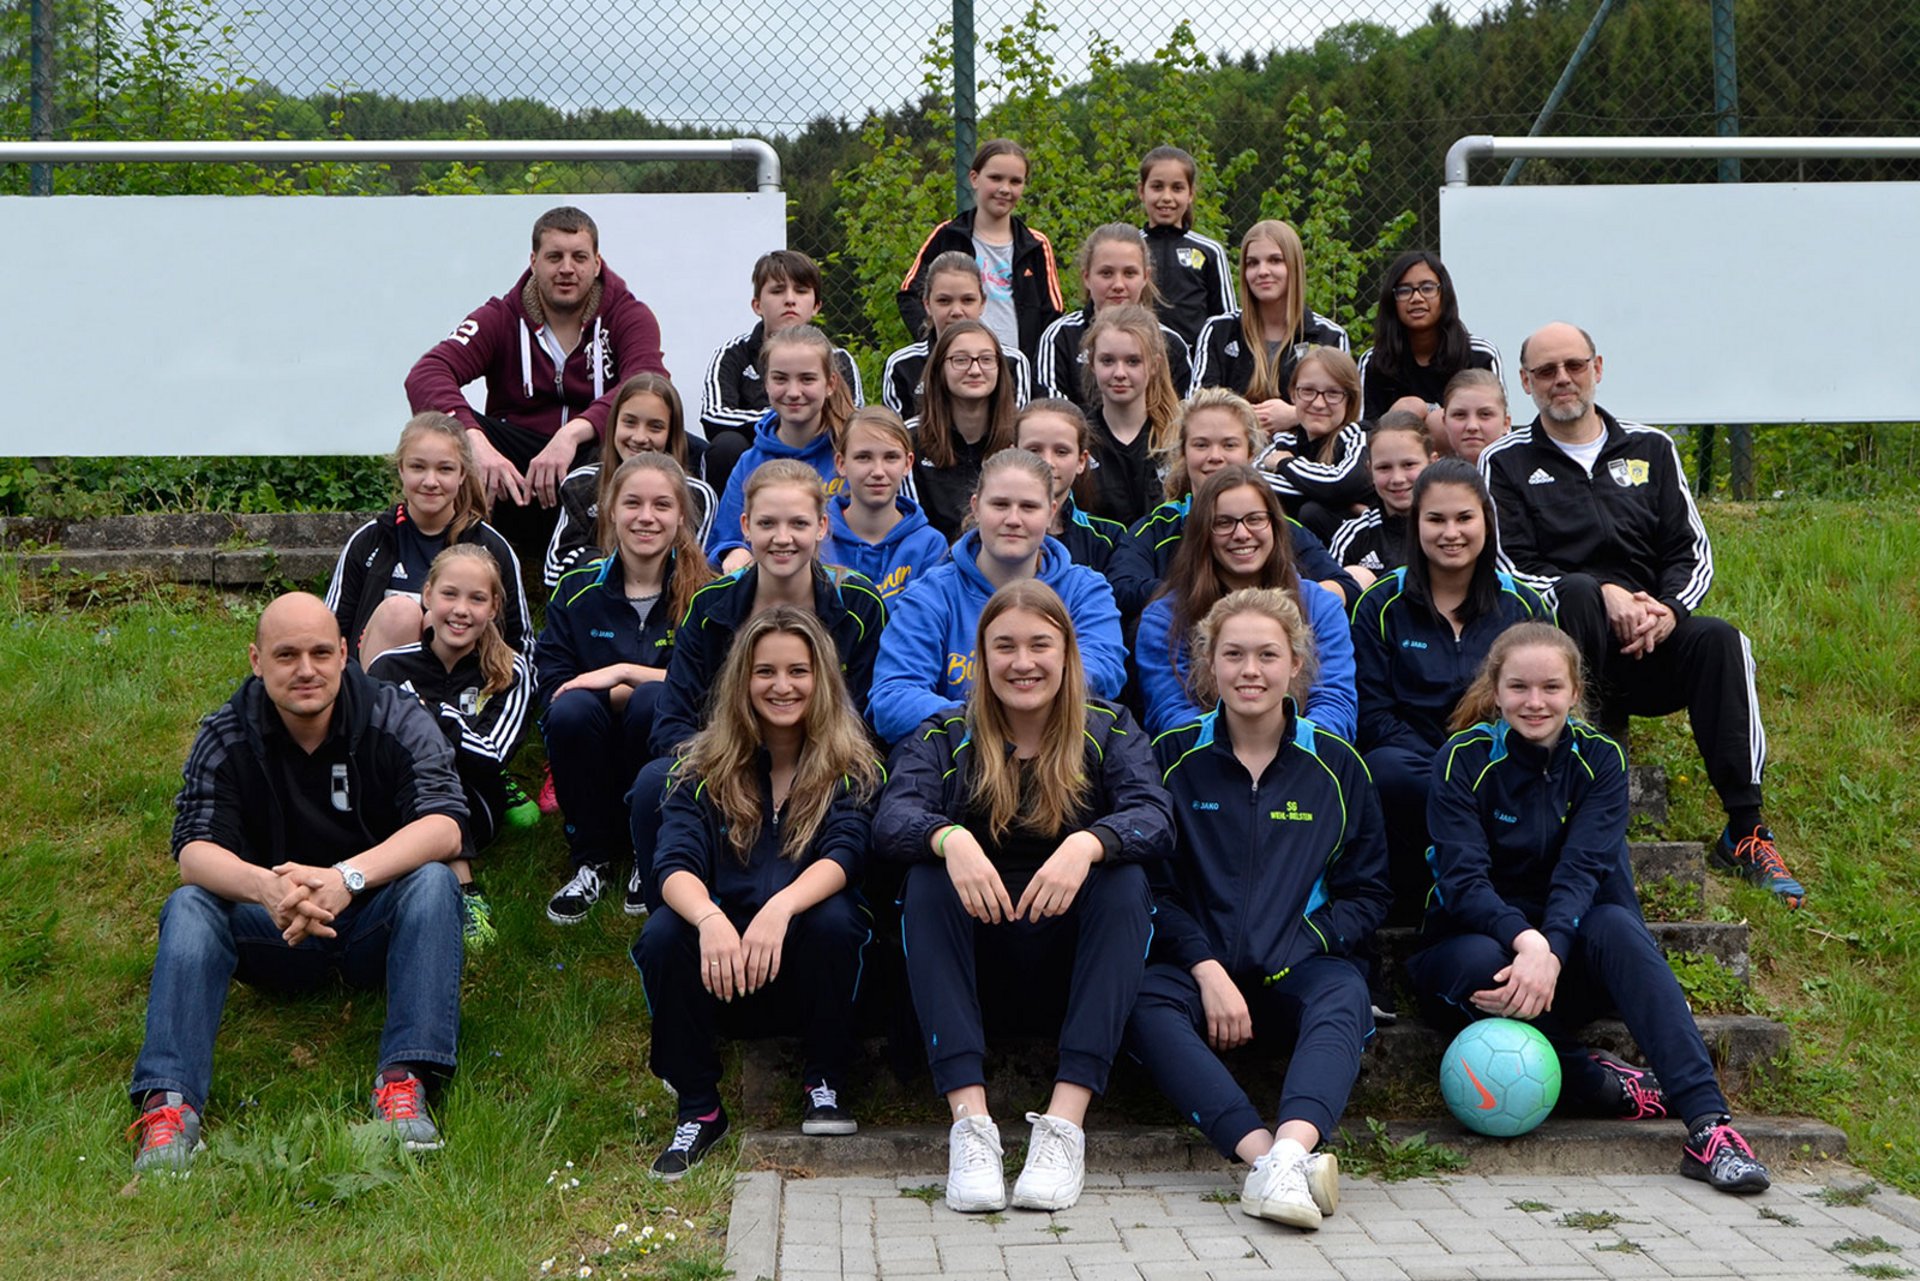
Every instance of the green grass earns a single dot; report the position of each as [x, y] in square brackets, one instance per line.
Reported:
[100, 690]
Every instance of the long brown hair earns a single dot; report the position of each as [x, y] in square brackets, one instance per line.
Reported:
[1209, 398]
[495, 655]
[470, 500]
[643, 384]
[1269, 602]
[1481, 701]
[1163, 402]
[1265, 383]
[685, 558]
[836, 753]
[934, 445]
[1193, 579]
[839, 406]
[1057, 777]
[1339, 366]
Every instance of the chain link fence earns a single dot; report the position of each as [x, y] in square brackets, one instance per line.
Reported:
[1410, 76]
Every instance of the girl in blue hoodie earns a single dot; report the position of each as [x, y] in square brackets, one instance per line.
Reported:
[872, 528]
[927, 663]
[1281, 872]
[810, 404]
[1235, 518]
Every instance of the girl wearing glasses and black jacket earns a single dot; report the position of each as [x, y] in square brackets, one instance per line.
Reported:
[1418, 340]
[967, 404]
[1232, 545]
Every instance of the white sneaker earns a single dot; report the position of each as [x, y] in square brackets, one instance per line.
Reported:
[1276, 1188]
[975, 1181]
[1056, 1167]
[1323, 1181]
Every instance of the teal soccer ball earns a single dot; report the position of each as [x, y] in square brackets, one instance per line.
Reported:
[1500, 1077]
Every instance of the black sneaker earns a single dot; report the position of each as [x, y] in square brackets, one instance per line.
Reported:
[824, 1114]
[635, 903]
[1716, 1155]
[571, 903]
[691, 1140]
[1640, 1092]
[1756, 858]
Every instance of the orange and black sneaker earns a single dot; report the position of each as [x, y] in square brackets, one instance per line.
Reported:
[1754, 857]
[169, 1134]
[401, 1103]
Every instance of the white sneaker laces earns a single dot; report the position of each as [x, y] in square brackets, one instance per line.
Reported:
[585, 883]
[1052, 1144]
[823, 1096]
[978, 1150]
[683, 1136]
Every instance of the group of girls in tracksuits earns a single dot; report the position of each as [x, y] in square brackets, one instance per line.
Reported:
[931, 644]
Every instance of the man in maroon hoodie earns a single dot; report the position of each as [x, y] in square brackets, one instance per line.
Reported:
[553, 352]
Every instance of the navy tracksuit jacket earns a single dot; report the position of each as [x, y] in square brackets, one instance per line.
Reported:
[1100, 942]
[1278, 879]
[1530, 837]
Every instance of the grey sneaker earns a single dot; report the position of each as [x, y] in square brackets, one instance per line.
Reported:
[169, 1134]
[402, 1106]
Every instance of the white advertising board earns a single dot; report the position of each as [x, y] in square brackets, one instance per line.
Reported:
[1729, 303]
[285, 325]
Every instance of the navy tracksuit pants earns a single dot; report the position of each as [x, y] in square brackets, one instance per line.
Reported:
[1615, 965]
[1100, 944]
[595, 752]
[1403, 778]
[1704, 668]
[1321, 1004]
[643, 819]
[812, 995]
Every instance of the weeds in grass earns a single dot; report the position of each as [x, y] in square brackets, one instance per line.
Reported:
[1590, 1220]
[926, 1192]
[1381, 1156]
[1221, 1196]
[1886, 1271]
[1668, 898]
[1622, 1246]
[1711, 987]
[1768, 1212]
[1856, 1195]
[1533, 1207]
[1057, 1230]
[994, 1217]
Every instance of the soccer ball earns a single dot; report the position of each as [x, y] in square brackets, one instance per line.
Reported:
[1500, 1077]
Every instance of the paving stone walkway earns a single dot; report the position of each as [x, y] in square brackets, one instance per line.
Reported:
[1175, 1227]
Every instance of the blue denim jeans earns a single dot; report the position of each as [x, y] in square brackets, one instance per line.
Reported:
[403, 936]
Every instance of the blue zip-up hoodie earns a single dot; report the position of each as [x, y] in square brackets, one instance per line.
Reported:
[1410, 670]
[1273, 870]
[847, 606]
[816, 453]
[1527, 836]
[693, 838]
[1162, 666]
[590, 625]
[901, 557]
[1126, 807]
[926, 662]
[1152, 542]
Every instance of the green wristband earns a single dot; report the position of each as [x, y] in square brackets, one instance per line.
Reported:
[940, 846]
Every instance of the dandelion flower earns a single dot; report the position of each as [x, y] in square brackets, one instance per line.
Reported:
[621, 1229]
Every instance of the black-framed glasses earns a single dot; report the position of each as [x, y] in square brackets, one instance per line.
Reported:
[1575, 366]
[1426, 289]
[959, 362]
[1320, 396]
[1254, 521]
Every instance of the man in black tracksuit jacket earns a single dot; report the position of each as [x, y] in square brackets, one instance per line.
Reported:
[1597, 512]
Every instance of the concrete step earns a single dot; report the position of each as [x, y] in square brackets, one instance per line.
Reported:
[1724, 941]
[1647, 792]
[1399, 1074]
[1560, 1146]
[1682, 861]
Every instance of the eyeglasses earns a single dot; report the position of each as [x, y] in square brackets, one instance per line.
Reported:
[960, 362]
[1254, 521]
[1320, 395]
[1426, 289]
[1574, 367]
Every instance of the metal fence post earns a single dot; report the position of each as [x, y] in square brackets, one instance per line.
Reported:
[1726, 123]
[963, 105]
[40, 91]
[1560, 86]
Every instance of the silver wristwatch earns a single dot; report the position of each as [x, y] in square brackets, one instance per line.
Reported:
[355, 879]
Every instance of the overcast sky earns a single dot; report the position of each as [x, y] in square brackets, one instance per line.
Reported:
[754, 63]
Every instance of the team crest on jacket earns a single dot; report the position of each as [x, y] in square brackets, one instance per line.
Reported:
[1233, 348]
[1191, 258]
[1627, 472]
